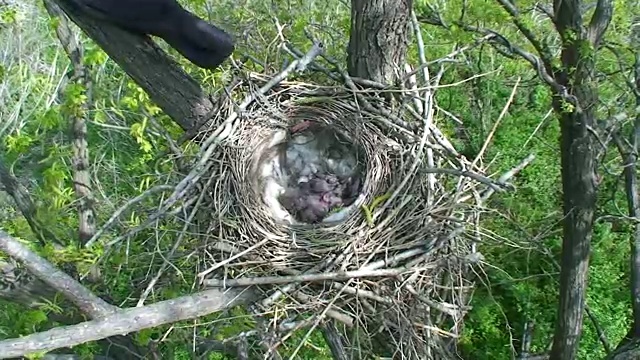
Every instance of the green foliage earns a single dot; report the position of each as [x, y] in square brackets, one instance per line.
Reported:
[128, 156]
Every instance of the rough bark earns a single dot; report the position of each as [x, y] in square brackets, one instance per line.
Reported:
[379, 38]
[24, 203]
[175, 92]
[43, 281]
[579, 152]
[629, 351]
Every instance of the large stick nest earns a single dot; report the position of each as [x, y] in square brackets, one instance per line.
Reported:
[392, 274]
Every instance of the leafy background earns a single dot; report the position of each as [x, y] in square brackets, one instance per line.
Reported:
[523, 233]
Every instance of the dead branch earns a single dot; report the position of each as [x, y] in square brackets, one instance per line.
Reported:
[338, 275]
[84, 299]
[175, 92]
[79, 76]
[125, 321]
[334, 340]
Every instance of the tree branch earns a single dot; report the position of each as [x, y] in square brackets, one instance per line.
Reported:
[26, 206]
[600, 21]
[125, 321]
[541, 48]
[77, 113]
[498, 40]
[84, 299]
[175, 92]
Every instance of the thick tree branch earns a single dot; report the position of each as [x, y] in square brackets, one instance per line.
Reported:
[600, 21]
[125, 321]
[19, 286]
[334, 340]
[175, 92]
[84, 299]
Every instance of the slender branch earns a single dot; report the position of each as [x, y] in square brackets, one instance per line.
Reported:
[114, 217]
[600, 21]
[496, 185]
[602, 336]
[541, 48]
[338, 275]
[77, 113]
[498, 40]
[27, 208]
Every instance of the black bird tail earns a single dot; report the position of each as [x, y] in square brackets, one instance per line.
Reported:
[201, 43]
[205, 45]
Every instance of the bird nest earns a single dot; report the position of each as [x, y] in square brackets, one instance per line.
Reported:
[388, 270]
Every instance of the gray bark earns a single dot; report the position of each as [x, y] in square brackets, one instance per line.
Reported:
[379, 38]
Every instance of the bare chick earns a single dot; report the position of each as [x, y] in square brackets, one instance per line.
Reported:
[311, 201]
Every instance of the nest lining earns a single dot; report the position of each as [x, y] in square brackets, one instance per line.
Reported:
[412, 236]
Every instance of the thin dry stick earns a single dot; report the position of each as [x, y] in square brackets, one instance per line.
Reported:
[451, 55]
[291, 287]
[124, 208]
[495, 126]
[332, 312]
[202, 274]
[412, 170]
[427, 111]
[509, 174]
[338, 275]
[535, 131]
[394, 259]
[362, 293]
[165, 263]
[317, 322]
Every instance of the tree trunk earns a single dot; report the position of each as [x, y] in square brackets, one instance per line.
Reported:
[379, 38]
[579, 152]
[578, 149]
